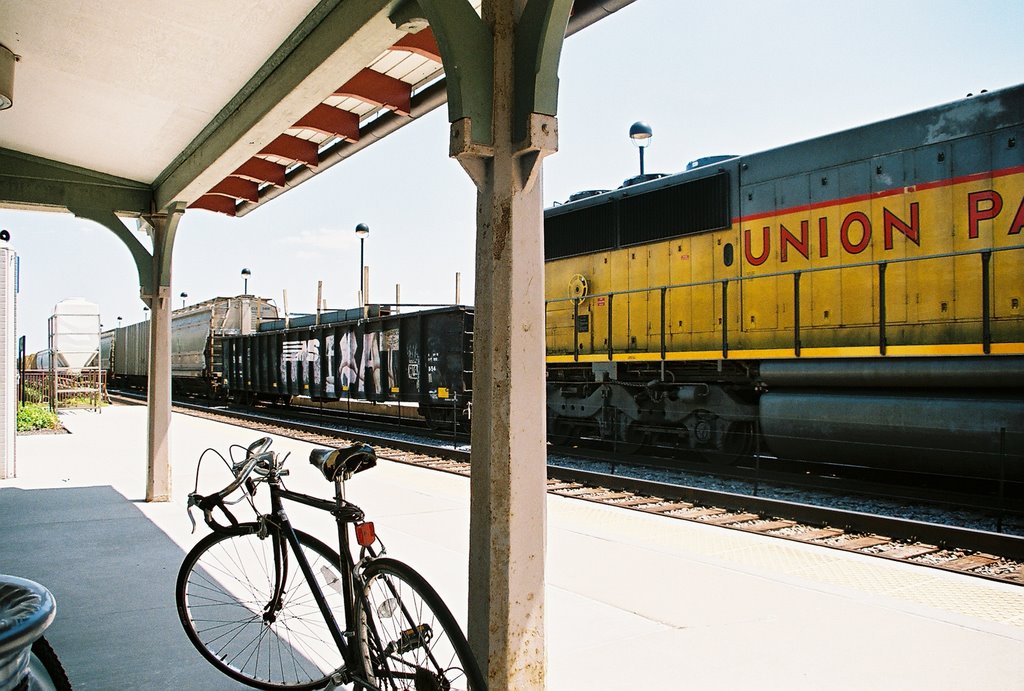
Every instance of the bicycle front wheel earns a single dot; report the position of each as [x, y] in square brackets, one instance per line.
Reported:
[408, 636]
[224, 591]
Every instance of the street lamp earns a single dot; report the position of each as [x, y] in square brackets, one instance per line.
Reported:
[641, 133]
[145, 313]
[183, 296]
[119, 322]
[245, 281]
[362, 230]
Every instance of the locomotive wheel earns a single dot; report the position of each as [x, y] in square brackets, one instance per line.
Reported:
[635, 438]
[560, 430]
[737, 443]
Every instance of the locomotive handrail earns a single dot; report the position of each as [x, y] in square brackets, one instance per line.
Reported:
[776, 274]
[881, 264]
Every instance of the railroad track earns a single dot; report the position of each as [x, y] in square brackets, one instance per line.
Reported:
[983, 554]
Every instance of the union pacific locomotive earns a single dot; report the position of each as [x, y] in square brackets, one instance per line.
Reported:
[855, 297]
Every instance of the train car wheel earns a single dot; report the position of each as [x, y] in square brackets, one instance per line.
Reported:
[633, 439]
[560, 430]
[735, 443]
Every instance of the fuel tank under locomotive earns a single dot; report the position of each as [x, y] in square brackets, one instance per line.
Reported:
[960, 416]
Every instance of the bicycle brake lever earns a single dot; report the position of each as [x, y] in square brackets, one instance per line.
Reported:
[188, 509]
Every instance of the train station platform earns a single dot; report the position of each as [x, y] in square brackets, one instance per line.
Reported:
[633, 600]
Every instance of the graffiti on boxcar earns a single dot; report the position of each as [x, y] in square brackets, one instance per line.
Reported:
[391, 346]
[369, 369]
[296, 355]
[347, 364]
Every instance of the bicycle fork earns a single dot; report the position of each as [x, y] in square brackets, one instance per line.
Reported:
[280, 579]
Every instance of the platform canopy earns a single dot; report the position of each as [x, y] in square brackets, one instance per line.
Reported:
[214, 105]
[149, 107]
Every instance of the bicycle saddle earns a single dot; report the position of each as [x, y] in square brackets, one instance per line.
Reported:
[344, 462]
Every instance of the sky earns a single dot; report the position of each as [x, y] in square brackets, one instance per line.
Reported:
[726, 77]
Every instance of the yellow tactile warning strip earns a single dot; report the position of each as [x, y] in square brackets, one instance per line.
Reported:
[810, 564]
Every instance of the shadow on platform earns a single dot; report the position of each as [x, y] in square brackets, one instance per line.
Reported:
[112, 572]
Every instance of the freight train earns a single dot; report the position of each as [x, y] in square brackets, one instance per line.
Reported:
[856, 297]
[197, 333]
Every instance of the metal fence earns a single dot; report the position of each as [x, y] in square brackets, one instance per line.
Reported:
[65, 388]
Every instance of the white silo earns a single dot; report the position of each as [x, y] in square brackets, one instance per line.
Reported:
[75, 334]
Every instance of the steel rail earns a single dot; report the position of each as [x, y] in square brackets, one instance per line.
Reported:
[663, 499]
[1002, 544]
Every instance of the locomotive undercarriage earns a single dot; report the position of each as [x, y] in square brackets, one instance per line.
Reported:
[711, 413]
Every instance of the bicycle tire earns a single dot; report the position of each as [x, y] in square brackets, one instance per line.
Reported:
[48, 665]
[408, 637]
[223, 586]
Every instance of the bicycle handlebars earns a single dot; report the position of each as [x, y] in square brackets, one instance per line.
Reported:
[257, 457]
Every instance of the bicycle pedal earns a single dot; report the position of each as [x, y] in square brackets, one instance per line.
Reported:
[410, 639]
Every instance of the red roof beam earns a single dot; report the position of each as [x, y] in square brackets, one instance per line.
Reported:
[379, 89]
[215, 202]
[237, 188]
[422, 43]
[294, 149]
[261, 170]
[332, 121]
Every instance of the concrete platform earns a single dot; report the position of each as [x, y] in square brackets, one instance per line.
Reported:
[633, 600]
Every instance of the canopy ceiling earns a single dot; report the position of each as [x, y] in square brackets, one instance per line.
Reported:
[223, 106]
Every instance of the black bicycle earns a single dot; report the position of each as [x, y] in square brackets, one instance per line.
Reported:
[369, 621]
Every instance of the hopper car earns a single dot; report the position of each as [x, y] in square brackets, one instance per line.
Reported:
[197, 332]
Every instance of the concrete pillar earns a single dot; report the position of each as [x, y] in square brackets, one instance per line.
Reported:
[157, 296]
[509, 473]
[502, 85]
[158, 399]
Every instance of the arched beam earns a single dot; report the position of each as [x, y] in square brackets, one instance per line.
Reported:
[106, 218]
[467, 52]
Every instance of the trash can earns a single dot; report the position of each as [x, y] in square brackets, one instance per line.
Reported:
[26, 610]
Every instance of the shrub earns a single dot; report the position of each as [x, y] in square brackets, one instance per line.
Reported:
[33, 416]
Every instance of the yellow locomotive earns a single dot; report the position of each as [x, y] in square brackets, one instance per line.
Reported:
[856, 297]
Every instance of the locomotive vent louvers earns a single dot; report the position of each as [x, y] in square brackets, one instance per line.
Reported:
[690, 207]
[589, 229]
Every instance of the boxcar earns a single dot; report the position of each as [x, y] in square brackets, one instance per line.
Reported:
[420, 357]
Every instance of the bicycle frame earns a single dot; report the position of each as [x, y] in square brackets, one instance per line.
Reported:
[344, 514]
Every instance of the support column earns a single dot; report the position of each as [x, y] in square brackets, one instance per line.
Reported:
[502, 86]
[155, 290]
[157, 296]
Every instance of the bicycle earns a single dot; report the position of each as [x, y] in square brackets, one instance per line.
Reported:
[370, 621]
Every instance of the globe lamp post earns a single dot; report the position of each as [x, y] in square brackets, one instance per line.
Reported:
[641, 133]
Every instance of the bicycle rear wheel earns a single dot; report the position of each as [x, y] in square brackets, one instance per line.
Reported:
[409, 638]
[45, 669]
[224, 587]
